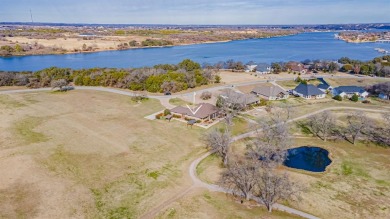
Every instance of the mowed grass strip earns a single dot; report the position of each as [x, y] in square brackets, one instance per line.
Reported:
[179, 102]
[25, 129]
[8, 102]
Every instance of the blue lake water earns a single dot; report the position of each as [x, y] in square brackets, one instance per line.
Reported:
[321, 45]
[314, 159]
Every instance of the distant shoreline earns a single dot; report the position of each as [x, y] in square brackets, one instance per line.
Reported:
[140, 47]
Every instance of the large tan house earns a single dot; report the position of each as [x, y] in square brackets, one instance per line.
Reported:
[270, 92]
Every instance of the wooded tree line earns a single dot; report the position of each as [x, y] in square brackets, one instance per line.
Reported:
[160, 78]
[357, 126]
[379, 66]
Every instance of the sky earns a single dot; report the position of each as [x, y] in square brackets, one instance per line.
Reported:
[196, 11]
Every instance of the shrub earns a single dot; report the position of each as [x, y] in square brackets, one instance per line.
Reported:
[198, 121]
[158, 116]
[138, 97]
[355, 98]
[263, 102]
[217, 79]
[206, 95]
[167, 112]
[338, 97]
[176, 116]
[346, 169]
[366, 101]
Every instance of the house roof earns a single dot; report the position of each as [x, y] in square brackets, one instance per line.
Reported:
[263, 67]
[308, 90]
[324, 85]
[239, 97]
[295, 66]
[201, 111]
[349, 89]
[268, 90]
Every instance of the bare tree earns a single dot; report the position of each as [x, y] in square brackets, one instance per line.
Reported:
[271, 188]
[240, 176]
[234, 101]
[219, 142]
[269, 146]
[322, 124]
[6, 78]
[380, 134]
[219, 65]
[272, 140]
[357, 123]
[356, 68]
[59, 83]
[169, 86]
[383, 88]
[281, 113]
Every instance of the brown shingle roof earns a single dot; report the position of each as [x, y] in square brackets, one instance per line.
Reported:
[202, 110]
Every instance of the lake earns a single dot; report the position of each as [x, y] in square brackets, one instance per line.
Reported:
[319, 45]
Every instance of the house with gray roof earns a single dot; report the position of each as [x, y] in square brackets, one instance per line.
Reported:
[235, 98]
[270, 92]
[349, 91]
[308, 91]
[324, 86]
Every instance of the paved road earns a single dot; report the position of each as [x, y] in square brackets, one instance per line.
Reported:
[130, 93]
[252, 133]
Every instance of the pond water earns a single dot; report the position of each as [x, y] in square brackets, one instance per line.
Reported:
[314, 159]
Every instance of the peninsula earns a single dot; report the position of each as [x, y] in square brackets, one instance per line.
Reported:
[39, 39]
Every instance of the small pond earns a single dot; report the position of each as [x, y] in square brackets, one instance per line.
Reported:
[314, 159]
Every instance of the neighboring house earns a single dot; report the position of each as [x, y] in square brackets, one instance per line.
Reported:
[349, 91]
[308, 91]
[250, 68]
[234, 97]
[384, 96]
[263, 68]
[297, 67]
[202, 111]
[270, 92]
[324, 86]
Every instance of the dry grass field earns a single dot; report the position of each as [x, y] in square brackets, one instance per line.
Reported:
[354, 81]
[73, 42]
[203, 204]
[88, 154]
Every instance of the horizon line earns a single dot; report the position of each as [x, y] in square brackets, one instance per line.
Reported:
[31, 23]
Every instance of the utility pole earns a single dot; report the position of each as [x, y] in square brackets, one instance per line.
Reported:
[32, 20]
